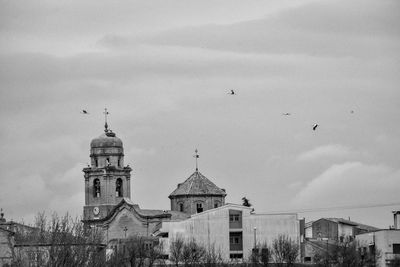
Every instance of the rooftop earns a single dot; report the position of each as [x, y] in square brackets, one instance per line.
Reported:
[197, 184]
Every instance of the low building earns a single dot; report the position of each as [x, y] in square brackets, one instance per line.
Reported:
[325, 234]
[6, 246]
[385, 244]
[336, 229]
[232, 230]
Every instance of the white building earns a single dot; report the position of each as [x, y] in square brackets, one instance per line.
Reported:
[233, 230]
[384, 243]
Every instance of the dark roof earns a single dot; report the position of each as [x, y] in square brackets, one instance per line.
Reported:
[342, 221]
[197, 184]
[108, 139]
[356, 224]
[143, 213]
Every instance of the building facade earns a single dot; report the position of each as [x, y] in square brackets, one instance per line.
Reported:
[384, 244]
[232, 230]
[335, 229]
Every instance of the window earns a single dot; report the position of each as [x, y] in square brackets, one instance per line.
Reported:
[107, 161]
[148, 246]
[235, 241]
[216, 204]
[307, 259]
[396, 248]
[96, 162]
[119, 162]
[236, 256]
[96, 188]
[181, 207]
[234, 217]
[118, 188]
[199, 207]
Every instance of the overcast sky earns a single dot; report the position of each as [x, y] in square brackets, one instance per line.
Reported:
[164, 68]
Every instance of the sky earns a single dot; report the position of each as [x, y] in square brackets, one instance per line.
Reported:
[164, 69]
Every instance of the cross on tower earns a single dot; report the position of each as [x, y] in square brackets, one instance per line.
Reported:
[196, 156]
[105, 119]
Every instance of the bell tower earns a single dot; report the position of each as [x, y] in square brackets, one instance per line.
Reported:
[107, 180]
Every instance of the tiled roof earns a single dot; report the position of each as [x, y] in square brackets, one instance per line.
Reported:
[356, 224]
[197, 184]
[144, 213]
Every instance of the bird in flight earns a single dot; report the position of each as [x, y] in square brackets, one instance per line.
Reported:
[286, 114]
[315, 126]
[231, 92]
[84, 112]
[351, 111]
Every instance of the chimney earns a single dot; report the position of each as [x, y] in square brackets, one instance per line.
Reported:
[396, 216]
[2, 219]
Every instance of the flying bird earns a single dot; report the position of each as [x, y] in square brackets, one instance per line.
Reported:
[286, 114]
[351, 111]
[84, 112]
[232, 93]
[315, 126]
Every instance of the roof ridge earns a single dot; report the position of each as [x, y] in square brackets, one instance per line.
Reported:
[191, 183]
[197, 184]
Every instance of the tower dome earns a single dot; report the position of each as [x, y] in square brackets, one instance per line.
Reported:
[107, 150]
[107, 139]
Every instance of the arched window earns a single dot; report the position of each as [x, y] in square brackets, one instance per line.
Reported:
[216, 204]
[96, 188]
[96, 162]
[199, 207]
[181, 207]
[118, 188]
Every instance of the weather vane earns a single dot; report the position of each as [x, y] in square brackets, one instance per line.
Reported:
[196, 156]
[105, 119]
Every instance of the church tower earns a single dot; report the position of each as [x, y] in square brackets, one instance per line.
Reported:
[107, 180]
[196, 194]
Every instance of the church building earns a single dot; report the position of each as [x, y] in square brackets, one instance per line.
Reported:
[198, 209]
[108, 202]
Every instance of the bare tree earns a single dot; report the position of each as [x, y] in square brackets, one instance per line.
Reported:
[260, 255]
[346, 253]
[59, 241]
[176, 250]
[285, 250]
[192, 253]
[155, 253]
[265, 255]
[135, 251]
[212, 257]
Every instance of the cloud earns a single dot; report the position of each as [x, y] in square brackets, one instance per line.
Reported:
[350, 183]
[318, 29]
[334, 151]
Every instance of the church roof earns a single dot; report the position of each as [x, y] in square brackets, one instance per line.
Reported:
[107, 139]
[197, 184]
[143, 213]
